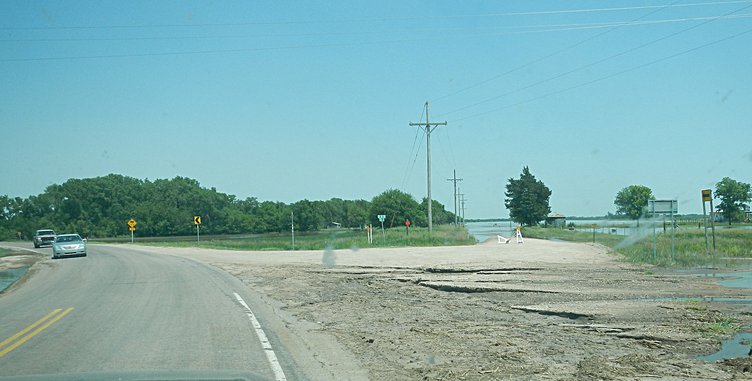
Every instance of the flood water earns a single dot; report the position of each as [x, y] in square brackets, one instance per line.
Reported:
[738, 346]
[10, 276]
[742, 279]
[485, 230]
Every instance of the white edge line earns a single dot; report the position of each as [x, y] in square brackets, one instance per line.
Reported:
[279, 375]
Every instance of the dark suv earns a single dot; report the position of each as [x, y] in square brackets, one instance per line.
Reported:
[44, 237]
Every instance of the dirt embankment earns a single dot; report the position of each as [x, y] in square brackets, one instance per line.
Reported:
[17, 259]
[541, 310]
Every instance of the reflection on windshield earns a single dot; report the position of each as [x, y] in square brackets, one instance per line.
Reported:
[68, 238]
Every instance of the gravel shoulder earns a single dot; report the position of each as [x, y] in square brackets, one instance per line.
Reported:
[538, 310]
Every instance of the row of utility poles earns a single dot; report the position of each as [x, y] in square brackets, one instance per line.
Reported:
[459, 201]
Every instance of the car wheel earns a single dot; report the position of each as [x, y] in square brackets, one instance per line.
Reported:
[36, 246]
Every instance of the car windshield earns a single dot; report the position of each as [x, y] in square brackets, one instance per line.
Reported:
[68, 238]
[387, 190]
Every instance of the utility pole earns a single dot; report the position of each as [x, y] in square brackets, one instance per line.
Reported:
[428, 127]
[455, 180]
[462, 207]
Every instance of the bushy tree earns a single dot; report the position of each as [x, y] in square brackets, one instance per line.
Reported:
[633, 200]
[527, 199]
[398, 206]
[438, 211]
[733, 195]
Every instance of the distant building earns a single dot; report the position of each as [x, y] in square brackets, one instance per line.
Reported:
[556, 220]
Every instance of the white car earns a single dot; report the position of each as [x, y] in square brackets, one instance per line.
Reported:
[68, 245]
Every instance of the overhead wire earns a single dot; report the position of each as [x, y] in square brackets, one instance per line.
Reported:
[603, 78]
[363, 20]
[408, 168]
[341, 44]
[545, 57]
[591, 64]
[520, 29]
[192, 52]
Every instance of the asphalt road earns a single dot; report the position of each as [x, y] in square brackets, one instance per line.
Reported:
[123, 310]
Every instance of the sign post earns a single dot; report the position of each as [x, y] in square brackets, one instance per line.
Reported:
[407, 227]
[706, 196]
[712, 223]
[382, 217]
[197, 222]
[132, 227]
[670, 207]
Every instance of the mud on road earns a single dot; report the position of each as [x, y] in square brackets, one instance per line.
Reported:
[542, 310]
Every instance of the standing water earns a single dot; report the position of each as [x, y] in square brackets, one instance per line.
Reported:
[10, 276]
[485, 230]
[741, 344]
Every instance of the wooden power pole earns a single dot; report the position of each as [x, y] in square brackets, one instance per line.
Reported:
[428, 127]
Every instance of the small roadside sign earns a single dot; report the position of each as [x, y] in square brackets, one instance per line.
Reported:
[197, 222]
[382, 218]
[132, 227]
[407, 223]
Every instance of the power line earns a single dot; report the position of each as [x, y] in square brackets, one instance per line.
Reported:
[591, 64]
[523, 29]
[301, 46]
[409, 168]
[364, 20]
[545, 57]
[195, 52]
[608, 76]
[592, 10]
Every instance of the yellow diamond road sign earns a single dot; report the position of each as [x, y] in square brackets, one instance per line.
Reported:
[132, 223]
[197, 220]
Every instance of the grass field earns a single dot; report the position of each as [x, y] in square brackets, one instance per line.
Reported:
[733, 245]
[335, 239]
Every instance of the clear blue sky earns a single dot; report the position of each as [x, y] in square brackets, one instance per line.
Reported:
[291, 100]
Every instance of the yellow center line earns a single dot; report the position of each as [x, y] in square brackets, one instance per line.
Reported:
[29, 328]
[55, 313]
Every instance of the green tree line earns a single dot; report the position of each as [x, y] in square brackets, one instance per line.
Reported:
[101, 206]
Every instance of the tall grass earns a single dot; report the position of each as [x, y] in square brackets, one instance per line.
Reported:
[443, 235]
[733, 246]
